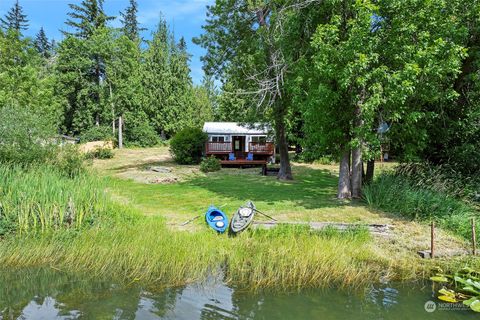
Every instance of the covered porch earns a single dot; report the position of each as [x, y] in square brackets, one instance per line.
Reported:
[240, 149]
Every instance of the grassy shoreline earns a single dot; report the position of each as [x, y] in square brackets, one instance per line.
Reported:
[136, 236]
[148, 252]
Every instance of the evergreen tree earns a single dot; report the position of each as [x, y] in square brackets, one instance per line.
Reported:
[156, 78]
[42, 44]
[86, 18]
[181, 85]
[24, 84]
[129, 21]
[15, 19]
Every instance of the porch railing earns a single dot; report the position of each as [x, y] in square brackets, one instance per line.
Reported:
[261, 147]
[219, 147]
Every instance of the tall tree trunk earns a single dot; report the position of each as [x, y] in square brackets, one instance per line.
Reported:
[357, 170]
[279, 108]
[120, 132]
[370, 171]
[357, 163]
[344, 185]
[285, 172]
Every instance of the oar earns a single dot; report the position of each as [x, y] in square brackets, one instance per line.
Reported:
[266, 215]
[188, 221]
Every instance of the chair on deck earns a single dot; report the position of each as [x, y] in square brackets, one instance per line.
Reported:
[231, 157]
[250, 156]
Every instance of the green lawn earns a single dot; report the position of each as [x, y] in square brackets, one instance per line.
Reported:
[311, 197]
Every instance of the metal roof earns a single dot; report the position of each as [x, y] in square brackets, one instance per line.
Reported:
[234, 128]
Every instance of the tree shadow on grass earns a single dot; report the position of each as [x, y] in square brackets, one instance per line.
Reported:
[311, 189]
[144, 165]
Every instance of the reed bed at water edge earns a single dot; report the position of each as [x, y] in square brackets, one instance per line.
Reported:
[42, 198]
[148, 252]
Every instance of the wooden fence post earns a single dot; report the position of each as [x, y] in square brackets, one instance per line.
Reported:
[474, 238]
[432, 245]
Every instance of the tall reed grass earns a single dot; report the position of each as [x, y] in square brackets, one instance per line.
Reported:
[42, 198]
[398, 194]
[147, 251]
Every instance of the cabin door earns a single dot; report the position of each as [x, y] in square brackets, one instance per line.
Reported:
[239, 146]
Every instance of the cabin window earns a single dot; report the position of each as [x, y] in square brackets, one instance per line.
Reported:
[218, 139]
[259, 139]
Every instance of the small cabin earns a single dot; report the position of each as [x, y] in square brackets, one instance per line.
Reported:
[239, 144]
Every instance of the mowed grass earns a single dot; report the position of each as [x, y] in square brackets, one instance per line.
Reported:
[310, 197]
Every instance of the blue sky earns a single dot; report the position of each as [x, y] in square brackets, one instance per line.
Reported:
[184, 16]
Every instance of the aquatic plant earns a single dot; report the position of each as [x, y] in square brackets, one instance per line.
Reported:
[462, 286]
[399, 195]
[148, 252]
[43, 198]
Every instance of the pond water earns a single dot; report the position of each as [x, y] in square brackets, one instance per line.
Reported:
[50, 294]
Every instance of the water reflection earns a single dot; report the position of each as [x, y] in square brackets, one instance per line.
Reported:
[49, 294]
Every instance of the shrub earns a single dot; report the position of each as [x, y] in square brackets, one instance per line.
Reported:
[141, 135]
[210, 164]
[187, 145]
[70, 161]
[100, 153]
[97, 133]
[26, 136]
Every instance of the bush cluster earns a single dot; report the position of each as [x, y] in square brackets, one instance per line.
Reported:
[187, 146]
[210, 164]
[26, 136]
[97, 133]
[69, 161]
[28, 139]
[141, 135]
[100, 153]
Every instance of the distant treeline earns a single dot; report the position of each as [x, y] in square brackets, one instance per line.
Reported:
[98, 75]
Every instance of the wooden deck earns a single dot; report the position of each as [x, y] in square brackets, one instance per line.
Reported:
[245, 162]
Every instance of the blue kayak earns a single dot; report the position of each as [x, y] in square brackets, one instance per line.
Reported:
[216, 219]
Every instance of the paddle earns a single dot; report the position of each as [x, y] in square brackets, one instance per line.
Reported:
[188, 221]
[194, 218]
[265, 215]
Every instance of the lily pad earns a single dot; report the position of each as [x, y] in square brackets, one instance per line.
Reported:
[471, 290]
[461, 280]
[448, 299]
[475, 306]
[466, 270]
[472, 283]
[470, 301]
[446, 292]
[439, 279]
